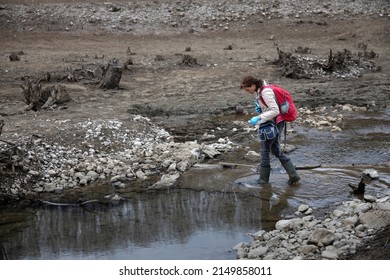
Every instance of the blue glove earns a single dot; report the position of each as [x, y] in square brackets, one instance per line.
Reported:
[254, 120]
[257, 108]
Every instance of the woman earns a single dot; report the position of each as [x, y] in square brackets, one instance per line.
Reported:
[270, 123]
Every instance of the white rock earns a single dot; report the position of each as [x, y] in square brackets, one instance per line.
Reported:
[372, 173]
[363, 208]
[303, 208]
[258, 252]
[330, 254]
[141, 175]
[167, 180]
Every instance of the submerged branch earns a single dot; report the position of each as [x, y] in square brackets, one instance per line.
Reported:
[67, 204]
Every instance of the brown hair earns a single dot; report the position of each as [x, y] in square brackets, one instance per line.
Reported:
[248, 81]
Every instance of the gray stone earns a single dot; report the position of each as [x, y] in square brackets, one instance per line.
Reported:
[258, 252]
[303, 208]
[321, 235]
[375, 219]
[351, 221]
[330, 254]
[307, 249]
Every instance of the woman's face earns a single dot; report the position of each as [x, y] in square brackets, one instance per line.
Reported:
[251, 89]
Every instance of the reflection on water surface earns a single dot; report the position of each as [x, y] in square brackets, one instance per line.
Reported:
[203, 224]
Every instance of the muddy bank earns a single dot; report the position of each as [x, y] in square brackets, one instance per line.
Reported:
[164, 103]
[149, 155]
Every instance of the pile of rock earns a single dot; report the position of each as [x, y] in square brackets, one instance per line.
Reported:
[144, 153]
[326, 118]
[333, 237]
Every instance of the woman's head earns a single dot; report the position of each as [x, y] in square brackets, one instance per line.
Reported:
[250, 84]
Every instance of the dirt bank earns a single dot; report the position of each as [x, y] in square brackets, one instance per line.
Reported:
[225, 41]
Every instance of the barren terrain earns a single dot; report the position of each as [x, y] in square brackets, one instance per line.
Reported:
[226, 40]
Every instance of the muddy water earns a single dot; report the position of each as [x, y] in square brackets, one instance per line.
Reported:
[196, 221]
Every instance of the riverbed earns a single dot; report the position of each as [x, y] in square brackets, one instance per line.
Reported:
[212, 208]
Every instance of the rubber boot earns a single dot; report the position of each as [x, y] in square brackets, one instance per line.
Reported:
[292, 172]
[264, 175]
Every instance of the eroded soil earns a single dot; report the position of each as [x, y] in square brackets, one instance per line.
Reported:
[182, 98]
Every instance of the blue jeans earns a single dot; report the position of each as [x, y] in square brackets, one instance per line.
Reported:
[272, 145]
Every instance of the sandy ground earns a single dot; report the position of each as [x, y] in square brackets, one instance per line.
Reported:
[227, 43]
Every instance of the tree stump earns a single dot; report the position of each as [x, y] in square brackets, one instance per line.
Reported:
[112, 76]
[14, 57]
[38, 98]
[189, 60]
[291, 66]
[338, 62]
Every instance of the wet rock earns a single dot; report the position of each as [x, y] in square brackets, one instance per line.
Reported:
[166, 181]
[210, 151]
[303, 208]
[287, 148]
[252, 156]
[372, 173]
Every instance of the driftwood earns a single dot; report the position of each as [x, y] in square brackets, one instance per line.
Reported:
[360, 188]
[12, 154]
[189, 60]
[7, 154]
[67, 204]
[338, 61]
[291, 66]
[91, 72]
[112, 76]
[235, 165]
[38, 98]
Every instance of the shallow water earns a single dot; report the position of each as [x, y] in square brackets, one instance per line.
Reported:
[203, 223]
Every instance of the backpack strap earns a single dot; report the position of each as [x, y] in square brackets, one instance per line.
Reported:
[278, 118]
[284, 131]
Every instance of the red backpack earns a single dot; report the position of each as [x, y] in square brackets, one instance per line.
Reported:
[287, 108]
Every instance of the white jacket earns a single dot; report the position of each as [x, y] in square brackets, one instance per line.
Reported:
[270, 111]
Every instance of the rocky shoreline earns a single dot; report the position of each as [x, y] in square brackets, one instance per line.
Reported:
[123, 152]
[335, 236]
[146, 150]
